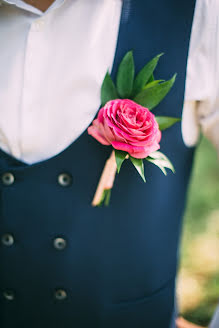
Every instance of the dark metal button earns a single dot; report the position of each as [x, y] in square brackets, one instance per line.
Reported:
[7, 239]
[60, 294]
[65, 179]
[8, 295]
[59, 243]
[7, 178]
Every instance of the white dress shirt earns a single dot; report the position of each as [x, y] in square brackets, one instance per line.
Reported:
[52, 65]
[201, 109]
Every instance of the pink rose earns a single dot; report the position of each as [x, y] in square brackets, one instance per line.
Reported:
[127, 126]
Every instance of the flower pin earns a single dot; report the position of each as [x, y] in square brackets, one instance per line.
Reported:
[125, 122]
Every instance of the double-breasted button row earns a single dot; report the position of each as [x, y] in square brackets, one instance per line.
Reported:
[59, 295]
[64, 179]
[59, 243]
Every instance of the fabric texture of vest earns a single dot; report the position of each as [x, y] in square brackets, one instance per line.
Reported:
[118, 266]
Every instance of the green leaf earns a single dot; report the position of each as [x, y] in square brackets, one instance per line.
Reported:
[152, 84]
[166, 122]
[107, 197]
[151, 79]
[160, 160]
[120, 157]
[145, 74]
[151, 97]
[139, 165]
[108, 90]
[102, 198]
[125, 76]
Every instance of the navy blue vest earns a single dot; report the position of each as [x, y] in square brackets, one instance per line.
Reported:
[65, 264]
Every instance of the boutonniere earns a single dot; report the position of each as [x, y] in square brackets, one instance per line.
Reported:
[125, 122]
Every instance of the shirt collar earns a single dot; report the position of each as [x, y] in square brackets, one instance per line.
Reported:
[23, 5]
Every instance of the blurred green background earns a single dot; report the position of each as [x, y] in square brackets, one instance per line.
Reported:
[198, 278]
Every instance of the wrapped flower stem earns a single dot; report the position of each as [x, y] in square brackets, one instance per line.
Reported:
[106, 182]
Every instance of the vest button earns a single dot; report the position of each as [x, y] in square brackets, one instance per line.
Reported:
[8, 295]
[7, 239]
[59, 243]
[60, 294]
[8, 178]
[64, 179]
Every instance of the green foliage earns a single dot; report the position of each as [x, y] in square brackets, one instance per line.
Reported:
[152, 84]
[108, 90]
[105, 199]
[202, 202]
[151, 79]
[204, 189]
[151, 97]
[125, 76]
[166, 122]
[144, 75]
[120, 157]
[143, 89]
[139, 165]
[160, 160]
[202, 315]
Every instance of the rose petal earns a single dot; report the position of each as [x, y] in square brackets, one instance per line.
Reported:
[128, 127]
[96, 134]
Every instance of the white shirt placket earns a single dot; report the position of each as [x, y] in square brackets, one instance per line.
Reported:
[30, 100]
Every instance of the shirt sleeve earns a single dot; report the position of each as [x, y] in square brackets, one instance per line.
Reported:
[201, 107]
